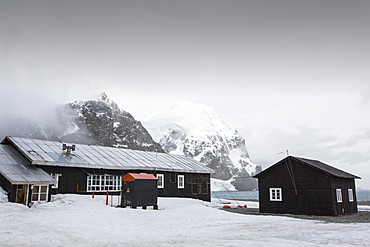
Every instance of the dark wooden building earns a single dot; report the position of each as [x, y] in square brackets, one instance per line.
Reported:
[307, 187]
[23, 182]
[139, 190]
[85, 169]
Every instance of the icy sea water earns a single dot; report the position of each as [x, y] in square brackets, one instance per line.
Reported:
[362, 195]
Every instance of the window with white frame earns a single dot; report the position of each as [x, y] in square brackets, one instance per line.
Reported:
[160, 181]
[39, 193]
[276, 194]
[339, 195]
[104, 183]
[56, 177]
[180, 181]
[350, 195]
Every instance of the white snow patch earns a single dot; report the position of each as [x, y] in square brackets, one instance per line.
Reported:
[3, 195]
[100, 114]
[73, 128]
[193, 119]
[79, 220]
[221, 185]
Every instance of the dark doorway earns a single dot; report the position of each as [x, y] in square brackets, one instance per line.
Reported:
[22, 194]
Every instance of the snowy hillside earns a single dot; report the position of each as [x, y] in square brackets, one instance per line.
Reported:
[79, 220]
[197, 131]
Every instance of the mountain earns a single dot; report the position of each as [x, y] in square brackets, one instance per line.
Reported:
[98, 122]
[189, 129]
[196, 130]
[102, 122]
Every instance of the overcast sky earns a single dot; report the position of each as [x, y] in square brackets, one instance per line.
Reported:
[289, 75]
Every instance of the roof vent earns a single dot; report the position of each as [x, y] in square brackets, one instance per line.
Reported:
[69, 148]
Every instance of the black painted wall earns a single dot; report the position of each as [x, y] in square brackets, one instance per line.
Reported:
[74, 180]
[305, 191]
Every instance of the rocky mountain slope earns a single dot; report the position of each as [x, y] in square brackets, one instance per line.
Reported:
[102, 122]
[98, 122]
[197, 131]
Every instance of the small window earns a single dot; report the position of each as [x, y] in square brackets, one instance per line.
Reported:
[199, 189]
[56, 177]
[160, 181]
[350, 195]
[276, 194]
[104, 183]
[205, 189]
[339, 195]
[39, 193]
[180, 182]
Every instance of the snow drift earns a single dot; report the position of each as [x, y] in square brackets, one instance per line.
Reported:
[79, 220]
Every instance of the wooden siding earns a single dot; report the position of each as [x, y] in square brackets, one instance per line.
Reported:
[74, 180]
[344, 207]
[304, 191]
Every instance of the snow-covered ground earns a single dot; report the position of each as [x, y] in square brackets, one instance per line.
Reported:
[79, 220]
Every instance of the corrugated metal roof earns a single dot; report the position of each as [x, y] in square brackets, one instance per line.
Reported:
[17, 170]
[326, 168]
[330, 170]
[49, 153]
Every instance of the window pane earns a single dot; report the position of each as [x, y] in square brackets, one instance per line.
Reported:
[35, 189]
[350, 195]
[160, 180]
[276, 194]
[339, 195]
[35, 197]
[43, 197]
[180, 181]
[104, 183]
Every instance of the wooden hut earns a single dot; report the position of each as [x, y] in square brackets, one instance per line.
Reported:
[308, 187]
[139, 190]
[24, 183]
[87, 168]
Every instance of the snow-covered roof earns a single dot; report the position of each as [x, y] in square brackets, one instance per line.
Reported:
[17, 170]
[50, 153]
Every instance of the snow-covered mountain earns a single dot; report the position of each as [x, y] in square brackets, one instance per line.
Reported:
[102, 122]
[99, 122]
[190, 129]
[197, 131]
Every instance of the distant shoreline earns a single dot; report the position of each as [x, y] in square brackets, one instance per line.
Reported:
[363, 196]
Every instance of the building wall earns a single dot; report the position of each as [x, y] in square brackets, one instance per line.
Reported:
[304, 191]
[196, 186]
[344, 207]
[74, 180]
